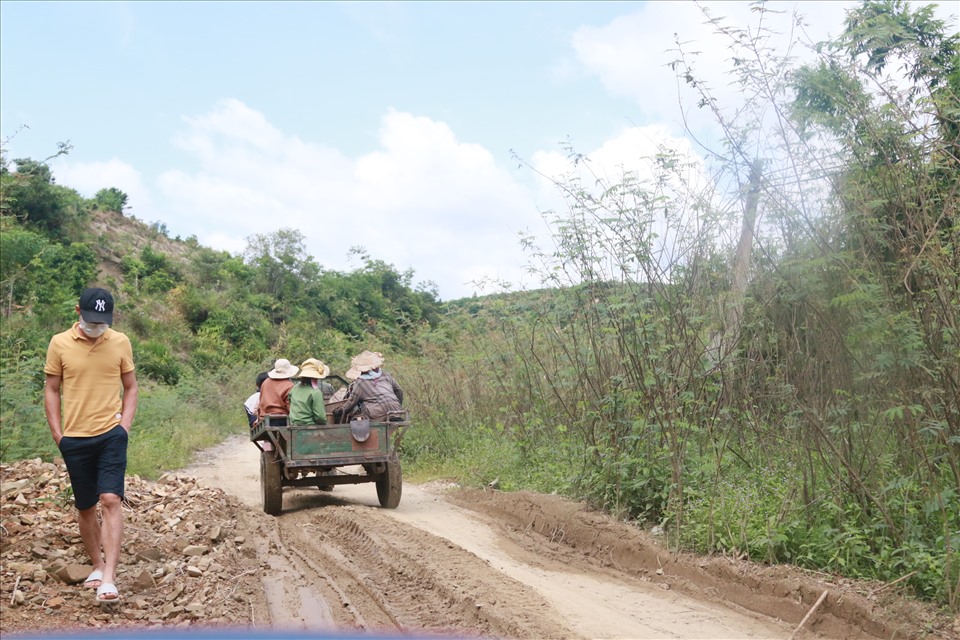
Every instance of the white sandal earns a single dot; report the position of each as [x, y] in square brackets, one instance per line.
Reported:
[108, 589]
[95, 576]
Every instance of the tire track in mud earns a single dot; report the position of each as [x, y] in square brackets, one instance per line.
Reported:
[403, 579]
[348, 606]
[293, 599]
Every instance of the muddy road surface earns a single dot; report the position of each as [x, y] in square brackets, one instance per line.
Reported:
[471, 563]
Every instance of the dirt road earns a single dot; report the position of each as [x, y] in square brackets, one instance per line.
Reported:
[492, 564]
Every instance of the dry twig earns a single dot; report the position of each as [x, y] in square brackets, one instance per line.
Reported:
[823, 596]
[890, 584]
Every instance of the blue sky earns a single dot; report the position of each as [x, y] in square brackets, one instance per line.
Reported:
[382, 125]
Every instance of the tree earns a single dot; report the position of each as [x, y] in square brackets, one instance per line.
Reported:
[111, 199]
[284, 269]
[849, 349]
[18, 248]
[32, 197]
[61, 271]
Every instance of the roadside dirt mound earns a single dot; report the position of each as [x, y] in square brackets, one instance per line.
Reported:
[187, 559]
[850, 609]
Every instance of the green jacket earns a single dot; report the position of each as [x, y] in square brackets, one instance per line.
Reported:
[306, 405]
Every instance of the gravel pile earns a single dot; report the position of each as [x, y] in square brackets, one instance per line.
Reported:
[188, 559]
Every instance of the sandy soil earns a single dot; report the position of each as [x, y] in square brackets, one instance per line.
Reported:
[516, 565]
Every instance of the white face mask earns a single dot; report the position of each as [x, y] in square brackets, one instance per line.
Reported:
[93, 329]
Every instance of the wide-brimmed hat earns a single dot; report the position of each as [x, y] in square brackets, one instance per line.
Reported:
[363, 362]
[282, 369]
[313, 368]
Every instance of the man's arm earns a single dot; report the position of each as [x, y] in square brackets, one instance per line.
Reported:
[51, 403]
[353, 397]
[130, 392]
[397, 390]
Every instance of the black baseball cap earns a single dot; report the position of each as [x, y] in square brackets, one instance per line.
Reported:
[96, 305]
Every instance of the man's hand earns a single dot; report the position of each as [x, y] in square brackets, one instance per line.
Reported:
[337, 415]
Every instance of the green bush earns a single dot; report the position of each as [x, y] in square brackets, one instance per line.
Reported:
[740, 512]
[24, 432]
[155, 361]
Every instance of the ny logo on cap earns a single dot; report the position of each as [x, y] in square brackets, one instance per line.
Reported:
[101, 305]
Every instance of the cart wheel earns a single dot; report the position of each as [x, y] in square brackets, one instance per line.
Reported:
[270, 483]
[390, 484]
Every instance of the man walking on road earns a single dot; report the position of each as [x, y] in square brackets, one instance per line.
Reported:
[90, 420]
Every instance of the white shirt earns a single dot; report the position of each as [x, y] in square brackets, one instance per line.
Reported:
[253, 403]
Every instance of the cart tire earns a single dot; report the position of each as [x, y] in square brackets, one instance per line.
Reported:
[271, 485]
[390, 485]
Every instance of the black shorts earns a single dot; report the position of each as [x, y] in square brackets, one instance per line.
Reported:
[96, 465]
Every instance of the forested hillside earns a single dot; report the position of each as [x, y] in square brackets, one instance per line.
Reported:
[792, 395]
[203, 323]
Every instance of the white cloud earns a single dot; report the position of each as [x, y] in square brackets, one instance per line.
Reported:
[631, 54]
[423, 200]
[631, 156]
[630, 150]
[89, 177]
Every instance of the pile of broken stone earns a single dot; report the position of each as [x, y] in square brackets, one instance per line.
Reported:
[186, 560]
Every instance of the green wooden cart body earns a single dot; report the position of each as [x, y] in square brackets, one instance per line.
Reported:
[327, 455]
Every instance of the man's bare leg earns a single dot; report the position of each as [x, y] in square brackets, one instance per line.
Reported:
[90, 534]
[111, 534]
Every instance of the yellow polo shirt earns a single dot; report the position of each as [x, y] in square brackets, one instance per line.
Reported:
[90, 388]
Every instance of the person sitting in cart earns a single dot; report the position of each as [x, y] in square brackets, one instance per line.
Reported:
[341, 393]
[307, 398]
[252, 404]
[374, 390]
[325, 387]
[275, 390]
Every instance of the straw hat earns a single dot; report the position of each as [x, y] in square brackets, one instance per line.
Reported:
[365, 361]
[282, 369]
[313, 368]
